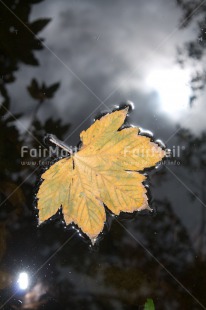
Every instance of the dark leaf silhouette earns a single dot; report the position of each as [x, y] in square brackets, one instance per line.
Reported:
[193, 52]
[17, 44]
[42, 92]
[52, 89]
[39, 24]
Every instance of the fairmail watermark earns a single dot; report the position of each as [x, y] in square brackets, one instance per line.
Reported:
[45, 156]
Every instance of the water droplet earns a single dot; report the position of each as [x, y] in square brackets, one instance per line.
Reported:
[160, 143]
[128, 104]
[115, 107]
[158, 165]
[168, 152]
[144, 132]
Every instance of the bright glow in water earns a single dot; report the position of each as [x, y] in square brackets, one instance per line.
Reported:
[23, 281]
[172, 87]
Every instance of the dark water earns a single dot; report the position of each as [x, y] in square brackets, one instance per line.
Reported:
[89, 56]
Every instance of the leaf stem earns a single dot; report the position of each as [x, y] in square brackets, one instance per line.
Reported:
[60, 144]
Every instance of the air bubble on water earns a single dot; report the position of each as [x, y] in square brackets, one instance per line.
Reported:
[127, 104]
[46, 139]
[132, 126]
[144, 132]
[160, 143]
[93, 240]
[168, 152]
[116, 107]
[130, 105]
[158, 165]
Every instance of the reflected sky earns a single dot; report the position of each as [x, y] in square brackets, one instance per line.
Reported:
[130, 54]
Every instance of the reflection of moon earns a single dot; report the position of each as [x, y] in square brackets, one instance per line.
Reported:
[172, 87]
[23, 280]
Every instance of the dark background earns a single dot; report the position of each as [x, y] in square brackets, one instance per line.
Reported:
[63, 63]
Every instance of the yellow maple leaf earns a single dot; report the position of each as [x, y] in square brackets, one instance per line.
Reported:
[103, 171]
